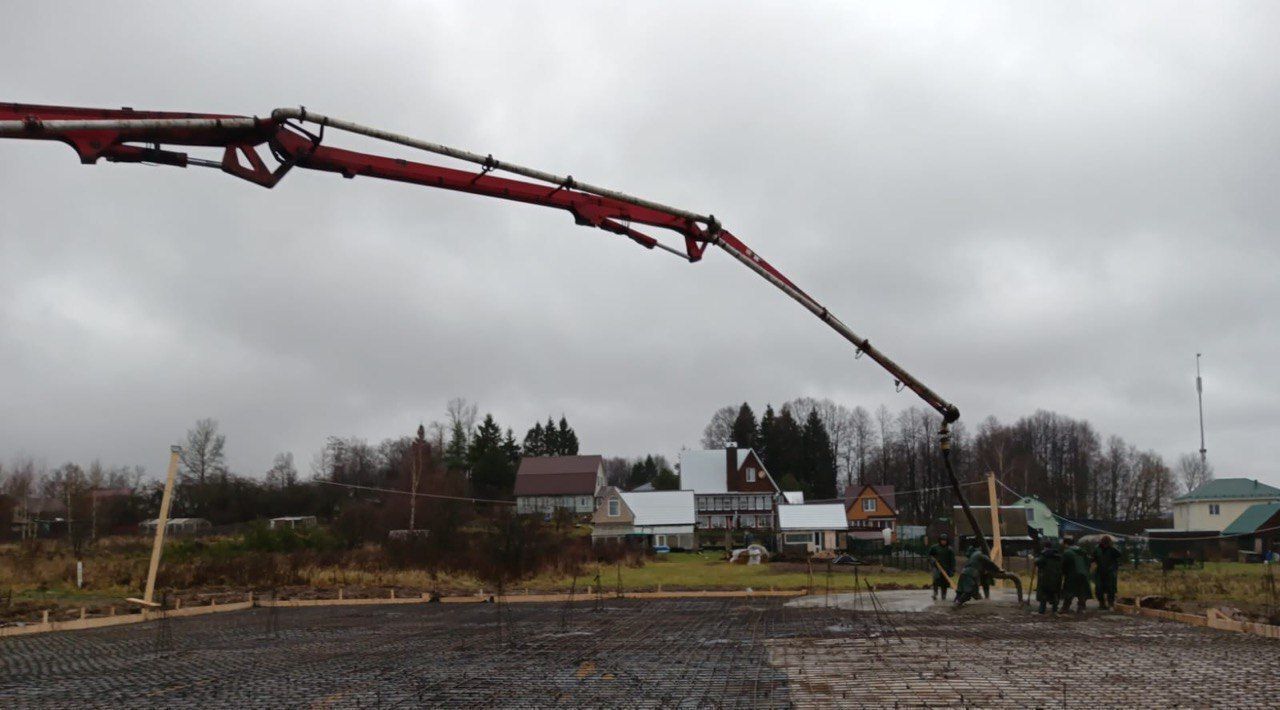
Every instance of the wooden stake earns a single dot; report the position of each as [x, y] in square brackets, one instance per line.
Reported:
[997, 553]
[161, 523]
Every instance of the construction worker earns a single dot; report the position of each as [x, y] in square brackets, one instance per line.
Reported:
[1049, 576]
[971, 576]
[944, 559]
[1107, 563]
[1075, 575]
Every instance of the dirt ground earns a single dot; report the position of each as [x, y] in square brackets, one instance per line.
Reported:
[896, 649]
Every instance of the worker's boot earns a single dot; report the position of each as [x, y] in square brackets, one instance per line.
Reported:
[935, 594]
[944, 594]
[1080, 607]
[1042, 605]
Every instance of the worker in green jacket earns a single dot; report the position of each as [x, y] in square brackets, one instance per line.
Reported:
[944, 559]
[971, 576]
[1106, 560]
[1075, 575]
[1049, 576]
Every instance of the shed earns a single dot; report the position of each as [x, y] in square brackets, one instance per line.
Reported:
[178, 526]
[1256, 531]
[812, 528]
[292, 522]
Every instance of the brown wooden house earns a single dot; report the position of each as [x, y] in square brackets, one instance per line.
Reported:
[870, 509]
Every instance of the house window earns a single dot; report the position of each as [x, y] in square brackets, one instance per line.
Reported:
[659, 540]
[615, 509]
[751, 475]
[869, 505]
[1214, 509]
[768, 503]
[797, 538]
[1031, 515]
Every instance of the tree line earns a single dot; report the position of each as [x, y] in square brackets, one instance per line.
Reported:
[1065, 462]
[462, 455]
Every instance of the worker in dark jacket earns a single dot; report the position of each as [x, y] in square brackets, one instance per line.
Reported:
[1107, 564]
[971, 576]
[944, 561]
[1075, 575]
[1049, 576]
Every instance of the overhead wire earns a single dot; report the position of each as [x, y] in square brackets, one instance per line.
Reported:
[412, 494]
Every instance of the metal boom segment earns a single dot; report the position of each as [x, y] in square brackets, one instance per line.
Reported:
[113, 134]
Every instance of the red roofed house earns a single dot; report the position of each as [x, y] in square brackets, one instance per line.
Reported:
[544, 483]
[870, 509]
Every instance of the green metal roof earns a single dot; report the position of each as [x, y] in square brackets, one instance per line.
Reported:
[1254, 517]
[1231, 488]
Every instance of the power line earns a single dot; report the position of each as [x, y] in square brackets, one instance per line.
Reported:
[415, 495]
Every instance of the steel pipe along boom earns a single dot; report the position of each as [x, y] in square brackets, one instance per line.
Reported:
[488, 161]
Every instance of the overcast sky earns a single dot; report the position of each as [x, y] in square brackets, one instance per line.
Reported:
[1027, 205]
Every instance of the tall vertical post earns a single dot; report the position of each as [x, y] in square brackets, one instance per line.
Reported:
[1200, 403]
[997, 551]
[162, 522]
[417, 451]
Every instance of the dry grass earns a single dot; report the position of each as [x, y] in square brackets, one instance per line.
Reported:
[43, 576]
[1251, 586]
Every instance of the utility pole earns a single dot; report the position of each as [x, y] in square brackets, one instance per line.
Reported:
[1200, 401]
[417, 453]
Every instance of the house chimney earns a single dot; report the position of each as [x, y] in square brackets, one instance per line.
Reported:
[730, 463]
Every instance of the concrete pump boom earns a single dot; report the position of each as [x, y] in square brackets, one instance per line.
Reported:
[126, 135]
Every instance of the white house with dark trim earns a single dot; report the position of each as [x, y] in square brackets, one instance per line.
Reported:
[545, 483]
[731, 487]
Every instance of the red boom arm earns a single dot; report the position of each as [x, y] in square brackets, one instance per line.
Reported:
[113, 135]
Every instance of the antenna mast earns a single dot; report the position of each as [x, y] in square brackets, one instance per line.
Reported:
[1200, 402]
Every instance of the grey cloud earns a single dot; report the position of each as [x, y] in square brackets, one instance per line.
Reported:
[1028, 206]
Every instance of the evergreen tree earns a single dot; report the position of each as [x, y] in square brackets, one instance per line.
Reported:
[818, 461]
[456, 453]
[511, 447]
[639, 475]
[745, 429]
[535, 442]
[567, 438]
[488, 438]
[766, 427]
[550, 439]
[493, 470]
[492, 474]
[783, 447]
[666, 480]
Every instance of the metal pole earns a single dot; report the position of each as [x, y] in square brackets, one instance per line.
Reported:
[1200, 402]
[23, 128]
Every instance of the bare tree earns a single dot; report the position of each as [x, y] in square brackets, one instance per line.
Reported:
[462, 412]
[720, 429]
[861, 446]
[1193, 472]
[203, 457]
[282, 473]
